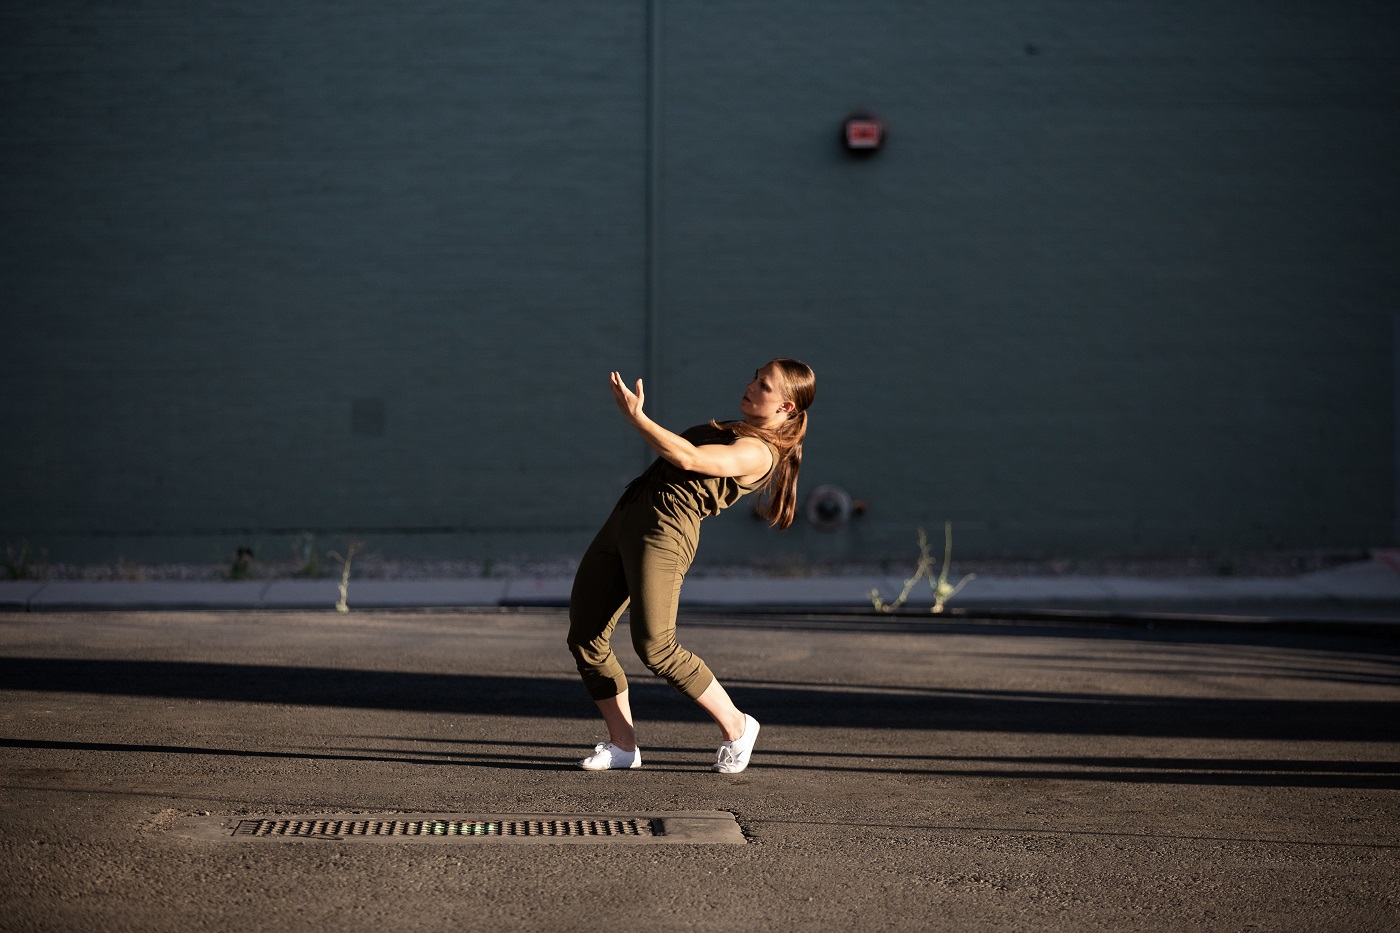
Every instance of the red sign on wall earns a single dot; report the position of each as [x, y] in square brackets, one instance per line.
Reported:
[864, 133]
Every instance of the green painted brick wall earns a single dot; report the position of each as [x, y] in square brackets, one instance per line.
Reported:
[228, 223]
[1122, 280]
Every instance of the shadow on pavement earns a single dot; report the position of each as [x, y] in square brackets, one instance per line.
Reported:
[553, 756]
[833, 706]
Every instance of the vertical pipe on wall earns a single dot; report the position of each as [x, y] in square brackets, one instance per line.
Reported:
[651, 363]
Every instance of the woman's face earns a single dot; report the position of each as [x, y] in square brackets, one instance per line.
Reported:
[764, 397]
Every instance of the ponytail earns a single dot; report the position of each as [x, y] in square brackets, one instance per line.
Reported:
[779, 504]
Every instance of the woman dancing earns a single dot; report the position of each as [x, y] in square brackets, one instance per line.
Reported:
[646, 546]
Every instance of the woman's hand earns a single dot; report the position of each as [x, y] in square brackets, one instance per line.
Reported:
[630, 402]
[746, 457]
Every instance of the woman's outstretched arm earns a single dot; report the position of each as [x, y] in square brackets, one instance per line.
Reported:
[747, 456]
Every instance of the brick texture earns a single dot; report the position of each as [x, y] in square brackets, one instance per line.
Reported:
[1122, 279]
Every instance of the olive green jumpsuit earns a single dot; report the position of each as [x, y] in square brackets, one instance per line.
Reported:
[641, 556]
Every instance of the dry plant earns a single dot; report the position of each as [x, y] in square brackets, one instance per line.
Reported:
[308, 562]
[350, 550]
[942, 589]
[20, 564]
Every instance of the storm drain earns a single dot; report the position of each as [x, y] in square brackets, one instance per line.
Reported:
[419, 828]
[570, 828]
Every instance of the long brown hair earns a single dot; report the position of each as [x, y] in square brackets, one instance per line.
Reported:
[780, 492]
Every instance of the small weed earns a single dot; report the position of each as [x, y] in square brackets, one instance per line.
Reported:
[242, 568]
[343, 605]
[1225, 567]
[304, 553]
[942, 589]
[20, 565]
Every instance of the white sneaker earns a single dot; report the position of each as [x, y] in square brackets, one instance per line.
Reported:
[733, 757]
[607, 756]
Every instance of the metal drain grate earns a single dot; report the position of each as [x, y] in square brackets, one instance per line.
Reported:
[418, 828]
[657, 828]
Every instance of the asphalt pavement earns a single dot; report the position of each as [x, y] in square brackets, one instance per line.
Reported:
[914, 772]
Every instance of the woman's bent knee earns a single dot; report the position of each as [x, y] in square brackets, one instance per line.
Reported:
[675, 665]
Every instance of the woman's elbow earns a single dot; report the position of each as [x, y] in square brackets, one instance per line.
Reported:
[698, 463]
[684, 460]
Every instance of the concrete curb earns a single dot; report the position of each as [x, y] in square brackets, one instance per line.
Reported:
[1370, 589]
[78, 596]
